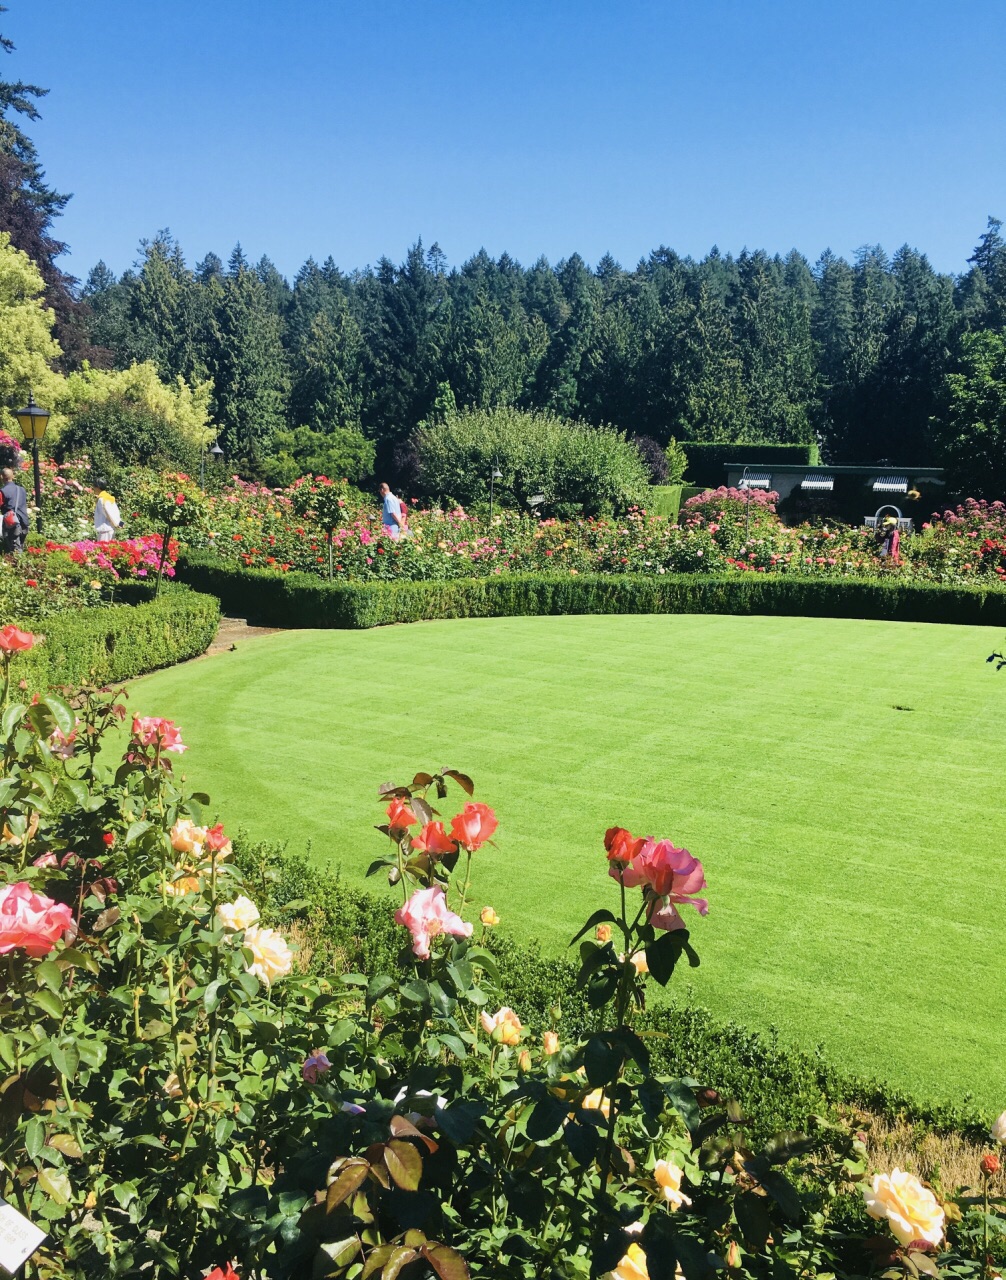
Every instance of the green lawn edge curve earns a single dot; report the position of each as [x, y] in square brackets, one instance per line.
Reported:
[840, 780]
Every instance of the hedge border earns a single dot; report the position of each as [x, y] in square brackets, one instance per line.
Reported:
[120, 641]
[707, 460]
[302, 600]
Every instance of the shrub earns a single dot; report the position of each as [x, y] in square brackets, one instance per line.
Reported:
[653, 456]
[342, 452]
[118, 433]
[117, 642]
[576, 467]
[664, 500]
[677, 461]
[301, 600]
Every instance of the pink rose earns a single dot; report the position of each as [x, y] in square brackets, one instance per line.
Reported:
[31, 921]
[668, 876]
[426, 915]
[154, 731]
[473, 826]
[314, 1066]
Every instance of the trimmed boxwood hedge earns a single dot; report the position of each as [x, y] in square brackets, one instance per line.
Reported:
[106, 645]
[707, 462]
[302, 600]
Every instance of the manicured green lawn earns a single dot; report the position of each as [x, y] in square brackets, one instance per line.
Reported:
[854, 851]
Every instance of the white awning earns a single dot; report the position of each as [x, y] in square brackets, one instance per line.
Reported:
[890, 484]
[755, 480]
[818, 482]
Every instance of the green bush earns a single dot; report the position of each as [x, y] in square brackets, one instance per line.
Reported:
[302, 600]
[120, 434]
[664, 500]
[706, 462]
[342, 453]
[116, 642]
[677, 461]
[577, 467]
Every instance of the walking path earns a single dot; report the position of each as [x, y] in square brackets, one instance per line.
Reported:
[232, 631]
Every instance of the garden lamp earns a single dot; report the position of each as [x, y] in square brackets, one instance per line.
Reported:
[33, 421]
[494, 475]
[216, 453]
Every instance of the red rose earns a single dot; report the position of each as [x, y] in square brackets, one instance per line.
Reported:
[400, 816]
[108, 838]
[989, 1164]
[473, 826]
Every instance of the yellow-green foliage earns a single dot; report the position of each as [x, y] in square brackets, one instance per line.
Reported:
[27, 347]
[187, 407]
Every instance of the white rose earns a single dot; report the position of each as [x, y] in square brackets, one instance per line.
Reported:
[271, 957]
[240, 914]
[999, 1128]
[912, 1211]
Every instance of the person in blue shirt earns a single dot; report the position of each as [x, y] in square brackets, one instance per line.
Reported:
[392, 514]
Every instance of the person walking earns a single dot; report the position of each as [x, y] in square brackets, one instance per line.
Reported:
[888, 537]
[14, 520]
[106, 517]
[392, 512]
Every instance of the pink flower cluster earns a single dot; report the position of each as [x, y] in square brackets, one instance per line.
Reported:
[426, 915]
[154, 731]
[30, 921]
[125, 558]
[668, 876]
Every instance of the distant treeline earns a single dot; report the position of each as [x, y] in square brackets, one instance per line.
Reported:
[747, 348]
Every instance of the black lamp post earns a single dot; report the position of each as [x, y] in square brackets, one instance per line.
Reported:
[494, 475]
[33, 421]
[216, 453]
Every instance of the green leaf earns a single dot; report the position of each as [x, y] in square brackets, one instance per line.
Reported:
[404, 1163]
[350, 1178]
[682, 1098]
[446, 1262]
[48, 972]
[60, 712]
[415, 992]
[136, 829]
[34, 1137]
[546, 1119]
[56, 1185]
[783, 1193]
[205, 1201]
[49, 1002]
[457, 1122]
[664, 954]
[753, 1219]
[602, 1061]
[377, 987]
[65, 1059]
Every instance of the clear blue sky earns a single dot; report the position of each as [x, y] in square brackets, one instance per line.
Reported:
[350, 127]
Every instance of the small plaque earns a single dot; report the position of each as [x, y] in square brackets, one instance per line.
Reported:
[19, 1238]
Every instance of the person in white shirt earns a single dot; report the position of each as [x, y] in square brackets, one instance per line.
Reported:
[106, 517]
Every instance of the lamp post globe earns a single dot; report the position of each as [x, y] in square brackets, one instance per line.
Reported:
[494, 475]
[33, 420]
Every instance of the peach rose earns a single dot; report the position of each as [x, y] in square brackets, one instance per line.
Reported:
[912, 1211]
[242, 913]
[433, 839]
[504, 1026]
[400, 816]
[603, 933]
[638, 962]
[186, 837]
[632, 1267]
[668, 1178]
[271, 957]
[184, 882]
[549, 1044]
[473, 826]
[597, 1101]
[13, 641]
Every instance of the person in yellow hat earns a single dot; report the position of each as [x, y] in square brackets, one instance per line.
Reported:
[106, 517]
[889, 539]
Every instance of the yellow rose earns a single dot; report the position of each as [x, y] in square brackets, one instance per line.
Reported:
[638, 962]
[668, 1178]
[240, 914]
[183, 883]
[550, 1043]
[489, 918]
[271, 957]
[524, 1060]
[504, 1026]
[632, 1266]
[912, 1211]
[186, 837]
[596, 1101]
